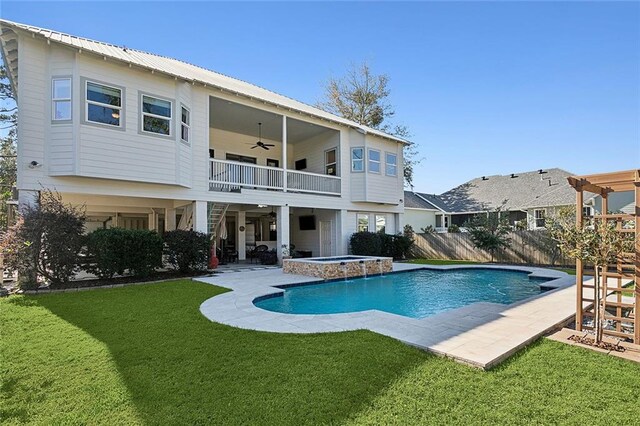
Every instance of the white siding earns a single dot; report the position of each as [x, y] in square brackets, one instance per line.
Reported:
[87, 160]
[419, 218]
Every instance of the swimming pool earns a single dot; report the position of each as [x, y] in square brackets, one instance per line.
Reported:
[415, 294]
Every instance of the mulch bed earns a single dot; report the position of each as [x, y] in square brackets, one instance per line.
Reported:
[119, 281]
[590, 341]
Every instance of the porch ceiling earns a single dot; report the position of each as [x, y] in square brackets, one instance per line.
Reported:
[238, 118]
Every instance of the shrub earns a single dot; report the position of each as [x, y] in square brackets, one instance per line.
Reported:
[381, 244]
[365, 244]
[453, 229]
[428, 230]
[45, 241]
[187, 250]
[116, 250]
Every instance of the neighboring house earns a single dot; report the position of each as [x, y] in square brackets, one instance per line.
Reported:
[145, 141]
[527, 198]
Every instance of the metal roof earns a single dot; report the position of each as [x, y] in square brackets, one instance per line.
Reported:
[188, 72]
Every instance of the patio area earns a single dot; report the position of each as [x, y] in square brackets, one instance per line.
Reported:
[480, 334]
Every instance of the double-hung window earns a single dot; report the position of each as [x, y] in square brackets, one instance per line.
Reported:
[357, 159]
[381, 223]
[363, 222]
[374, 161]
[391, 166]
[104, 104]
[61, 98]
[539, 218]
[156, 115]
[330, 162]
[185, 124]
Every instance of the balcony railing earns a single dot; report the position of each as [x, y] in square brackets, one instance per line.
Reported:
[231, 175]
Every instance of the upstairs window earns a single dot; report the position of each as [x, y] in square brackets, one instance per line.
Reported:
[539, 218]
[104, 104]
[357, 159]
[391, 161]
[374, 161]
[330, 163]
[185, 124]
[61, 99]
[156, 115]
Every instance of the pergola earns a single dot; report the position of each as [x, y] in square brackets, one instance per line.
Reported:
[627, 267]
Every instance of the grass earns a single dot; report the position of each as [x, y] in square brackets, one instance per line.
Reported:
[442, 262]
[145, 355]
[570, 271]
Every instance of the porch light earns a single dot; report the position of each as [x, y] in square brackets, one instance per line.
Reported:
[272, 226]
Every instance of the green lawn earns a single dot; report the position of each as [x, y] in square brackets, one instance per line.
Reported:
[442, 262]
[145, 355]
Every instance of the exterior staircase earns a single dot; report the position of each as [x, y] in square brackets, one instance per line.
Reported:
[216, 213]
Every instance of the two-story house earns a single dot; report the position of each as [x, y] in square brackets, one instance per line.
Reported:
[145, 141]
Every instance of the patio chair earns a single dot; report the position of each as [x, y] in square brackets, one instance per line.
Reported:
[256, 252]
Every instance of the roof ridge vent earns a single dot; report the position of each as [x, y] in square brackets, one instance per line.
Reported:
[541, 172]
[485, 178]
[513, 175]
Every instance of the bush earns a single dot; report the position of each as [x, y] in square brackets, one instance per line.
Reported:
[453, 229]
[365, 244]
[187, 250]
[381, 244]
[116, 250]
[45, 242]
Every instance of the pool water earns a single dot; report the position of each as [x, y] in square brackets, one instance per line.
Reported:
[415, 294]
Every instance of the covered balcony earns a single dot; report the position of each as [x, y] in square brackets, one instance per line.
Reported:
[254, 149]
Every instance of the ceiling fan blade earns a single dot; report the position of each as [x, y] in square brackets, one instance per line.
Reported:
[264, 147]
[268, 144]
[254, 147]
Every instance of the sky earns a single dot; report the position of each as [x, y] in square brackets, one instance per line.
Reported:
[485, 88]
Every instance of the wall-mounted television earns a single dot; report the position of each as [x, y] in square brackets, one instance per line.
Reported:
[307, 223]
[301, 164]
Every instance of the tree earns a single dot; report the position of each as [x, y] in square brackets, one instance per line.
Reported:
[490, 231]
[362, 96]
[598, 243]
[8, 120]
[45, 242]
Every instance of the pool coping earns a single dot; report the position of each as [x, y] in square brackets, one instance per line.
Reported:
[481, 334]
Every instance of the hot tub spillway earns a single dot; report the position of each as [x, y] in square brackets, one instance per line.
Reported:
[338, 267]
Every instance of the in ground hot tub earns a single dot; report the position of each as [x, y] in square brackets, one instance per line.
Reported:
[335, 267]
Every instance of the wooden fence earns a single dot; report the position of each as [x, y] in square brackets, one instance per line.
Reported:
[529, 247]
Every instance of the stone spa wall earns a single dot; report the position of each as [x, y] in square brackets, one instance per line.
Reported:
[335, 269]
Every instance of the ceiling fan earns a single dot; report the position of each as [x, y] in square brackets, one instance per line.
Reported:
[261, 144]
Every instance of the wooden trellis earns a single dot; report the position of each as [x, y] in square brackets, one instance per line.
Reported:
[621, 309]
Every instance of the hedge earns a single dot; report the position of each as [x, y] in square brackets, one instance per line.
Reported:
[380, 244]
[187, 250]
[116, 250]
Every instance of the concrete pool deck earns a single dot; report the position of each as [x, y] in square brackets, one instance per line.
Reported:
[481, 334]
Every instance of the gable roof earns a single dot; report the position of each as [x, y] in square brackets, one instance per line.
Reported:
[413, 200]
[520, 191]
[185, 71]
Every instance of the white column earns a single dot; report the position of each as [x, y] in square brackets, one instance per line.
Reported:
[342, 233]
[242, 235]
[399, 223]
[153, 221]
[200, 216]
[284, 152]
[170, 223]
[282, 224]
